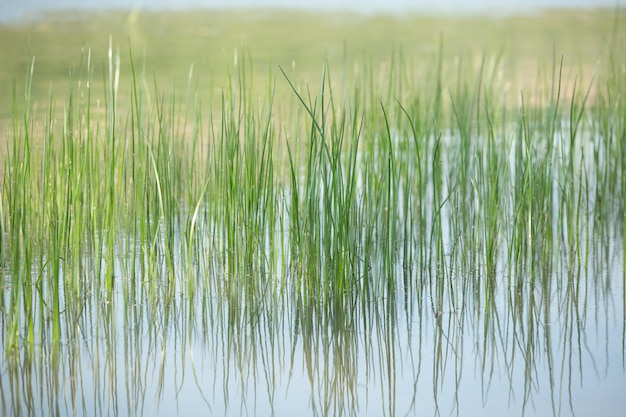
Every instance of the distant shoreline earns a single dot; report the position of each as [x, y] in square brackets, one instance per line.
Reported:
[17, 14]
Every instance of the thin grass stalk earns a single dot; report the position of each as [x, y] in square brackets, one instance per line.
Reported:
[389, 234]
[161, 160]
[112, 84]
[136, 129]
[414, 195]
[491, 194]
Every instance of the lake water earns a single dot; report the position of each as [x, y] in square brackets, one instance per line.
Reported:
[160, 349]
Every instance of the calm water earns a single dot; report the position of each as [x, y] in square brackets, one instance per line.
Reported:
[158, 348]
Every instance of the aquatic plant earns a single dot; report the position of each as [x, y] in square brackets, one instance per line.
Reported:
[300, 219]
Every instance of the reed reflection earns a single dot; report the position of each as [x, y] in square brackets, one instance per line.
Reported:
[345, 358]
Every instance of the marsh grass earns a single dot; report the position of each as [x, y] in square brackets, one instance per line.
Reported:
[429, 192]
[372, 178]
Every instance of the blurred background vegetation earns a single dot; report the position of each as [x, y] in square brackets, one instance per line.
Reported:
[166, 45]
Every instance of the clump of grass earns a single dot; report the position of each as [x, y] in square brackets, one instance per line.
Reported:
[422, 186]
[431, 195]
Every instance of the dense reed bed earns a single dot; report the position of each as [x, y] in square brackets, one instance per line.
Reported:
[330, 207]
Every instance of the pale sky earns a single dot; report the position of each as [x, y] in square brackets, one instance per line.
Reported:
[11, 10]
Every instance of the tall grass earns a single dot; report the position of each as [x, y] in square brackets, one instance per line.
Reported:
[433, 193]
[368, 185]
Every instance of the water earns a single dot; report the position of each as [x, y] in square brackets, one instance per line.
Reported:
[212, 351]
